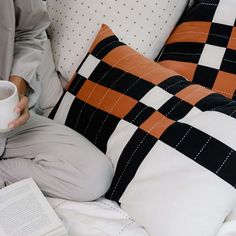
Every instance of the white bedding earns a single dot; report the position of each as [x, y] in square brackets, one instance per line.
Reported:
[99, 218]
[105, 218]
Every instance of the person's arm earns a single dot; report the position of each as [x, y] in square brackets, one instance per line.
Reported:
[31, 22]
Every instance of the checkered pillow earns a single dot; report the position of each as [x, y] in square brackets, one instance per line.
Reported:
[203, 46]
[172, 143]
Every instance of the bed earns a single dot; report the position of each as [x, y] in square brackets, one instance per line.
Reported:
[177, 197]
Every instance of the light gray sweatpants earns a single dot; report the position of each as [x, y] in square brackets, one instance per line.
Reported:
[62, 162]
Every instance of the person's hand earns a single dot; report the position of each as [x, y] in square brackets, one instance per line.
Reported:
[22, 106]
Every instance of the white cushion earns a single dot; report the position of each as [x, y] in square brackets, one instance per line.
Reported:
[177, 197]
[229, 226]
[144, 25]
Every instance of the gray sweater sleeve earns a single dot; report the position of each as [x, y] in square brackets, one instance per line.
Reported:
[31, 21]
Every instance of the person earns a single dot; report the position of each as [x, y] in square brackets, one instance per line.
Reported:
[61, 161]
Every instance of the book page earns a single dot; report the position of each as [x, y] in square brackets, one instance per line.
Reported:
[24, 211]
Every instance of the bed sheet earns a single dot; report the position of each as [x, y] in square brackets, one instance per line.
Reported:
[98, 218]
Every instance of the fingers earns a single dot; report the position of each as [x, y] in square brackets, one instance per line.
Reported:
[22, 108]
[21, 120]
[22, 105]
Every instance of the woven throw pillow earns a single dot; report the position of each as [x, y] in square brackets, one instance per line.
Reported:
[203, 46]
[172, 143]
[145, 25]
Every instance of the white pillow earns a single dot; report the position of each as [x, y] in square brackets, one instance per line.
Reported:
[229, 226]
[143, 25]
[51, 88]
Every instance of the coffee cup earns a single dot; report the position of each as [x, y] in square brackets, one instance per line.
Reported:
[8, 101]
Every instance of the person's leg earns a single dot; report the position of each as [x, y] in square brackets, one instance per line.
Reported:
[62, 162]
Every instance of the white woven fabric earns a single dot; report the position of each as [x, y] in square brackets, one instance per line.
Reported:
[99, 218]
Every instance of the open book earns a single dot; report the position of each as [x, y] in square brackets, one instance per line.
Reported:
[24, 211]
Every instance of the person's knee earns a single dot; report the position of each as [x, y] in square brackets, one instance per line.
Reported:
[61, 179]
[95, 184]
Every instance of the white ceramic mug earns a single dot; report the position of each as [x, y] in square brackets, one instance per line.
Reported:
[8, 100]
